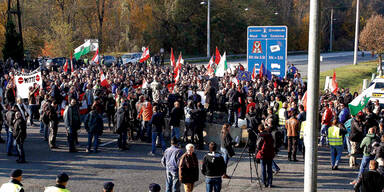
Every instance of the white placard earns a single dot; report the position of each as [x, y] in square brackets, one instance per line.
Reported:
[24, 81]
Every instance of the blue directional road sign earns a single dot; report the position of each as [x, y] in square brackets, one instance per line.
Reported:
[267, 46]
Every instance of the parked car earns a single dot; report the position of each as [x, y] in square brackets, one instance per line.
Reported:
[130, 58]
[59, 61]
[109, 60]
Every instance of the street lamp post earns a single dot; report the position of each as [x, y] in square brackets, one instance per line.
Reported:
[356, 32]
[331, 32]
[208, 26]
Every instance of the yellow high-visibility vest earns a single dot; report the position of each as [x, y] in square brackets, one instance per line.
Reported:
[334, 136]
[282, 116]
[10, 187]
[280, 106]
[55, 189]
[302, 127]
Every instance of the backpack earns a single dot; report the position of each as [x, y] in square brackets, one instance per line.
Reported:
[371, 148]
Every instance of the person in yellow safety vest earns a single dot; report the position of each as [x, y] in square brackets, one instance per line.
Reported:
[302, 133]
[335, 138]
[278, 104]
[14, 185]
[283, 116]
[61, 184]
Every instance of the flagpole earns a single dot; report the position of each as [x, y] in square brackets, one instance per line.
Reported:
[209, 29]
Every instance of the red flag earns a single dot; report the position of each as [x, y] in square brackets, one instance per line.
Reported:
[334, 85]
[170, 87]
[261, 71]
[65, 67]
[304, 101]
[95, 58]
[177, 73]
[254, 73]
[173, 64]
[103, 80]
[218, 57]
[72, 69]
[145, 56]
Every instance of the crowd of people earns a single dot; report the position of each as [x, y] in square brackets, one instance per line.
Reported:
[138, 99]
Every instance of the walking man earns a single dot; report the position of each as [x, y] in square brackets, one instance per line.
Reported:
[335, 138]
[72, 124]
[53, 124]
[94, 126]
[171, 161]
[19, 134]
[293, 127]
[121, 126]
[213, 168]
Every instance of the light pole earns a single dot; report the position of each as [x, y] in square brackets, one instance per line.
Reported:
[356, 32]
[208, 26]
[331, 32]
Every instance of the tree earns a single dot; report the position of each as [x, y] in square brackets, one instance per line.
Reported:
[372, 37]
[13, 47]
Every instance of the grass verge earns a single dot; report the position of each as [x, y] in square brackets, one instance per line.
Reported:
[351, 76]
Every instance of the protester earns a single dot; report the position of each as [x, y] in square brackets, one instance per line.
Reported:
[51, 113]
[189, 168]
[121, 125]
[170, 161]
[189, 121]
[370, 181]
[265, 153]
[176, 114]
[335, 138]
[94, 125]
[15, 183]
[213, 168]
[293, 127]
[158, 123]
[355, 137]
[61, 184]
[72, 124]
[19, 135]
[226, 147]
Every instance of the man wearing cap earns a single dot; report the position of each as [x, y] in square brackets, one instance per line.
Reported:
[108, 187]
[61, 183]
[14, 185]
[154, 187]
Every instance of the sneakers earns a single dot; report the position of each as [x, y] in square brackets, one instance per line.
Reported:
[151, 154]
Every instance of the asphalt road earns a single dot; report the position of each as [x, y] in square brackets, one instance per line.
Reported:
[133, 170]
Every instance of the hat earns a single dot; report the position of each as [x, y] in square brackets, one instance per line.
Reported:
[62, 177]
[16, 173]
[360, 114]
[154, 187]
[125, 104]
[108, 186]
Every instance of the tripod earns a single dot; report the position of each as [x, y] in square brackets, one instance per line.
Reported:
[251, 157]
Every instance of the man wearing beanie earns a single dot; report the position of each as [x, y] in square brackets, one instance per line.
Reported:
[154, 187]
[61, 183]
[14, 185]
[108, 187]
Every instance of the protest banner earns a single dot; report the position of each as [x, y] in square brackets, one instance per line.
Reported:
[24, 81]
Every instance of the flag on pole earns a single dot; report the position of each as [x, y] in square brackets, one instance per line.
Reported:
[65, 67]
[361, 101]
[261, 71]
[83, 49]
[95, 58]
[72, 69]
[145, 56]
[210, 70]
[334, 85]
[103, 80]
[217, 57]
[173, 64]
[254, 73]
[222, 66]
[180, 61]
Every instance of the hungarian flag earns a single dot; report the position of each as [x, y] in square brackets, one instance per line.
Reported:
[72, 69]
[145, 56]
[83, 109]
[304, 101]
[334, 86]
[170, 87]
[103, 80]
[222, 66]
[254, 73]
[173, 64]
[65, 67]
[177, 71]
[360, 101]
[217, 57]
[261, 71]
[210, 70]
[95, 58]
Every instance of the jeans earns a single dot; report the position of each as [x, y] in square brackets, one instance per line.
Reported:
[232, 112]
[154, 136]
[175, 132]
[146, 128]
[52, 133]
[20, 151]
[95, 137]
[224, 152]
[122, 140]
[10, 144]
[172, 183]
[189, 126]
[213, 184]
[274, 166]
[292, 146]
[284, 130]
[266, 171]
[364, 164]
[71, 140]
[31, 110]
[346, 138]
[336, 152]
[324, 134]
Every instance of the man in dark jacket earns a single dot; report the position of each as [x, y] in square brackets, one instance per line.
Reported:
[213, 168]
[266, 153]
[370, 181]
[170, 161]
[233, 104]
[20, 134]
[355, 137]
[157, 122]
[10, 117]
[53, 124]
[176, 115]
[72, 123]
[121, 125]
[210, 99]
[200, 114]
[94, 126]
